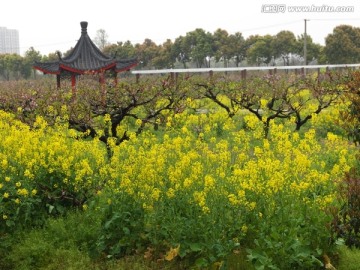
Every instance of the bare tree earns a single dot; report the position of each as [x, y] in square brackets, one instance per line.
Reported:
[101, 39]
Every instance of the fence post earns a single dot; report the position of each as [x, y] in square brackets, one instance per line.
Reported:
[174, 76]
[243, 74]
[137, 77]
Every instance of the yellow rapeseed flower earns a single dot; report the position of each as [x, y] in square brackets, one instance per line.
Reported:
[155, 195]
[23, 192]
[28, 174]
[4, 163]
[209, 181]
[233, 200]
[244, 229]
[251, 206]
[170, 193]
[107, 117]
[187, 182]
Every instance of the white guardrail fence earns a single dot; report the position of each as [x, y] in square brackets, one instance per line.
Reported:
[242, 69]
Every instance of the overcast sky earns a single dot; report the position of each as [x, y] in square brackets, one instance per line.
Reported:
[55, 25]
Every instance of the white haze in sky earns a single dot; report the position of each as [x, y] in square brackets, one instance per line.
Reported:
[55, 25]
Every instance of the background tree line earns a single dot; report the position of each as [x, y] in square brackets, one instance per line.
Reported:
[199, 49]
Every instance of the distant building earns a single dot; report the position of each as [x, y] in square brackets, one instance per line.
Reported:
[9, 41]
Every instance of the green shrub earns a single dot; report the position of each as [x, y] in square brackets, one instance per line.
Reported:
[346, 223]
[122, 226]
[64, 243]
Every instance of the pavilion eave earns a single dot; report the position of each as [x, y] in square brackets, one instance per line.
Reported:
[88, 71]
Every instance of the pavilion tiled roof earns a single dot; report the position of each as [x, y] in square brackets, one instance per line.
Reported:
[85, 57]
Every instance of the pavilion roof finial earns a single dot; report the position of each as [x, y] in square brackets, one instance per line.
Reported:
[84, 27]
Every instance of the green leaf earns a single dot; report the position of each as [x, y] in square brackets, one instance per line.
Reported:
[126, 230]
[195, 247]
[259, 266]
[60, 209]
[319, 251]
[51, 207]
[109, 222]
[201, 262]
[340, 242]
[183, 252]
[10, 223]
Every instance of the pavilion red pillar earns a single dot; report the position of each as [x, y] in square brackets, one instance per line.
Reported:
[103, 88]
[73, 84]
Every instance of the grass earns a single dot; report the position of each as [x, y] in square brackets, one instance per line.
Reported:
[62, 244]
[67, 242]
[349, 259]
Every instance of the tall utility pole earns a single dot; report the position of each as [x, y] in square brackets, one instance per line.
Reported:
[305, 40]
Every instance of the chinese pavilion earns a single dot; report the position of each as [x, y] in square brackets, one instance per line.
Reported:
[85, 58]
